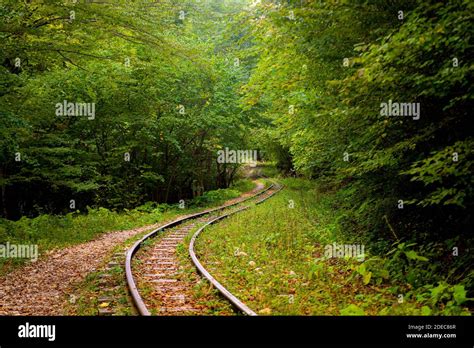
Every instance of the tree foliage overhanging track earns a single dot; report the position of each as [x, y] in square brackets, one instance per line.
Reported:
[165, 97]
[323, 70]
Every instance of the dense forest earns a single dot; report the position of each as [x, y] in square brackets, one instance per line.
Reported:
[165, 95]
[114, 104]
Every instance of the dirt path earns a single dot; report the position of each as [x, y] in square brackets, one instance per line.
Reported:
[41, 288]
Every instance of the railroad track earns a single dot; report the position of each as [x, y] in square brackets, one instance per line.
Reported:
[160, 265]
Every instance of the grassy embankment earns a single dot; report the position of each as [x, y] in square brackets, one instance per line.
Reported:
[273, 258]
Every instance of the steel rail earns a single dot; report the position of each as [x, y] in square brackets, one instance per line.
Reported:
[132, 286]
[226, 293]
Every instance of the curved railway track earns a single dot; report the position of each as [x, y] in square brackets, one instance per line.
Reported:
[161, 265]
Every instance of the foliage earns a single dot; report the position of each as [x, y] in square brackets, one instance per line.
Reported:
[165, 102]
[320, 80]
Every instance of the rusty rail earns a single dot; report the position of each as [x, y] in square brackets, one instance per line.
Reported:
[132, 286]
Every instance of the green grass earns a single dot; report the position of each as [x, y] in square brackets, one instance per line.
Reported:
[243, 185]
[269, 169]
[272, 257]
[55, 231]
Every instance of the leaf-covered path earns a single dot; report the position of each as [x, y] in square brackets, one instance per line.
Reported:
[43, 287]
